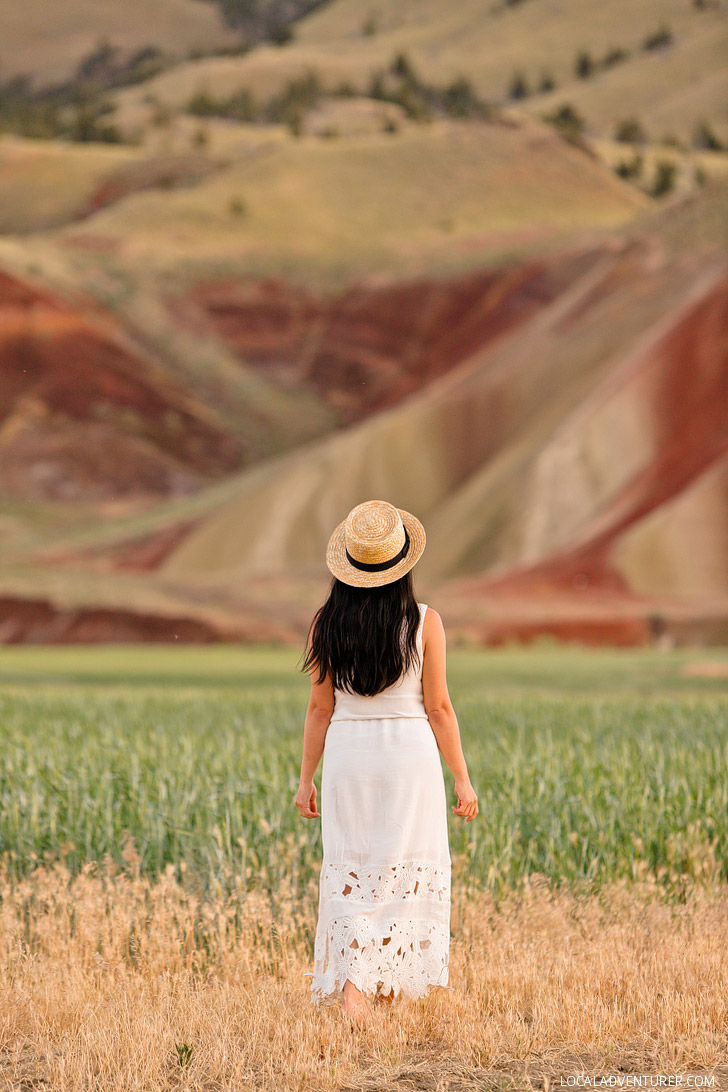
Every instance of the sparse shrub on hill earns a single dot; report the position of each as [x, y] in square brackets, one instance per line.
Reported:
[414, 103]
[420, 101]
[237, 207]
[237, 12]
[97, 61]
[145, 63]
[461, 101]
[518, 87]
[376, 86]
[664, 179]
[22, 115]
[200, 138]
[294, 122]
[569, 123]
[669, 140]
[232, 49]
[77, 109]
[86, 125]
[203, 105]
[584, 65]
[546, 83]
[614, 56]
[705, 138]
[241, 106]
[265, 21]
[161, 115]
[399, 84]
[299, 95]
[108, 65]
[700, 176]
[631, 168]
[630, 131]
[658, 39]
[369, 27]
[281, 34]
[288, 107]
[402, 66]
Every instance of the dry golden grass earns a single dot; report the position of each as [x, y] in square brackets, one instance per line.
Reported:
[114, 981]
[44, 183]
[49, 40]
[669, 89]
[322, 208]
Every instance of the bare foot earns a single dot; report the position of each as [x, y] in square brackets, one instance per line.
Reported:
[353, 1002]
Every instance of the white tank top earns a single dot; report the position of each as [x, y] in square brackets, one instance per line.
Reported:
[402, 699]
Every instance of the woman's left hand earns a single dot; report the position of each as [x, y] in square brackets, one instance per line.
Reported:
[306, 801]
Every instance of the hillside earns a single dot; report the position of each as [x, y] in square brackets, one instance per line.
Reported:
[143, 239]
[284, 322]
[47, 42]
[542, 464]
[479, 440]
[434, 196]
[83, 416]
[670, 86]
[365, 262]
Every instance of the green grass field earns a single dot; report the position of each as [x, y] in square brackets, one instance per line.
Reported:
[590, 765]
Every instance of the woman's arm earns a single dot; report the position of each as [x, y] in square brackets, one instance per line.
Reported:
[318, 715]
[441, 714]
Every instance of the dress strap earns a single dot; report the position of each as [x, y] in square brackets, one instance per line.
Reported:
[423, 608]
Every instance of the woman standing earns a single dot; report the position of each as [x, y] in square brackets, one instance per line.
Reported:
[379, 711]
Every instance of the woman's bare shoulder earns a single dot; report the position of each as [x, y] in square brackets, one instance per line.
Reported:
[432, 624]
[431, 613]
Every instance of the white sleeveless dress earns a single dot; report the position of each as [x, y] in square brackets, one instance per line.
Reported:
[384, 887]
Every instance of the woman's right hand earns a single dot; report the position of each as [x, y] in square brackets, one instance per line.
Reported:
[467, 805]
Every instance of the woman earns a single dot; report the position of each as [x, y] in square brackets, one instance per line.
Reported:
[378, 712]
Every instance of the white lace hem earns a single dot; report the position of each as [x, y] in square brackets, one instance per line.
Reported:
[407, 957]
[386, 928]
[409, 880]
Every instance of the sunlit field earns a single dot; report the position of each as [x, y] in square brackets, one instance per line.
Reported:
[158, 888]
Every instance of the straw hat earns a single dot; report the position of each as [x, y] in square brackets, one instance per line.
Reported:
[376, 544]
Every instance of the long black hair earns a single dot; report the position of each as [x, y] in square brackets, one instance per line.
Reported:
[365, 638]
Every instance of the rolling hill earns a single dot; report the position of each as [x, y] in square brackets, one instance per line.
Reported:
[670, 85]
[47, 42]
[541, 463]
[327, 210]
[218, 337]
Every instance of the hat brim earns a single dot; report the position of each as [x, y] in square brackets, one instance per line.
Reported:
[338, 563]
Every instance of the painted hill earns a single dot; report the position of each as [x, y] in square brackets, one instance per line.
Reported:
[216, 338]
[485, 449]
[543, 465]
[84, 416]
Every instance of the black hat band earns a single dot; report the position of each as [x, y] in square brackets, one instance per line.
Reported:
[381, 565]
